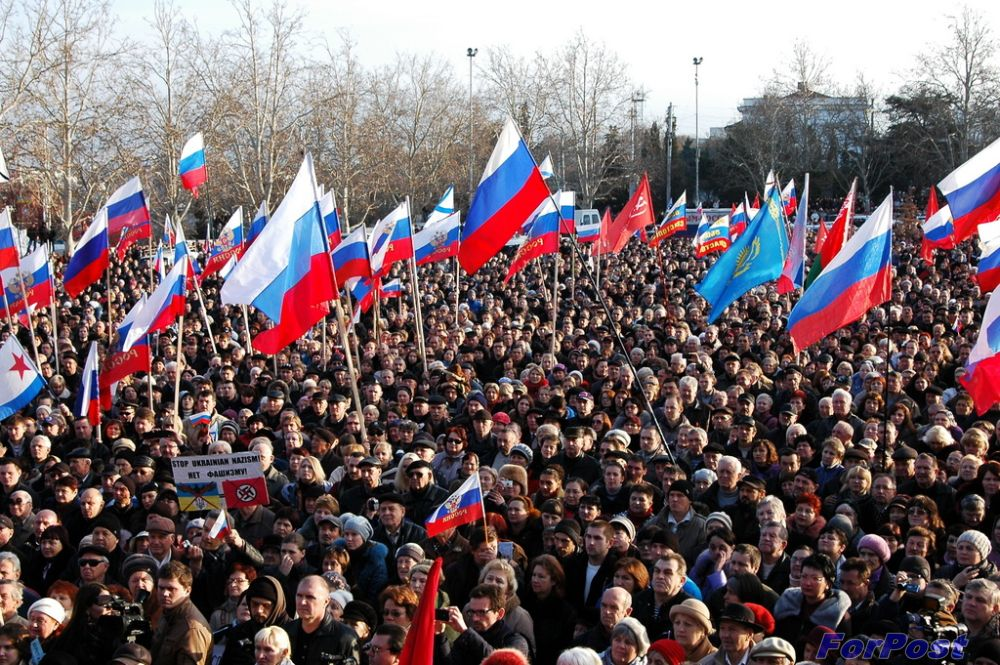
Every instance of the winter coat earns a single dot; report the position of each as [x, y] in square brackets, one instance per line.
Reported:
[182, 637]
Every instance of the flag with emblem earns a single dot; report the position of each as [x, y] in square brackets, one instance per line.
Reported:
[246, 492]
[20, 382]
[462, 507]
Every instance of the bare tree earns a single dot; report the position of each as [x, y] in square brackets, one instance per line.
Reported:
[590, 89]
[519, 86]
[964, 71]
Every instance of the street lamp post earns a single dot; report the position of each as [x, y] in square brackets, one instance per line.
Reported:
[471, 53]
[697, 137]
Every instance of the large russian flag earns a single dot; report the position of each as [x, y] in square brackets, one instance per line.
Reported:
[509, 191]
[438, 241]
[542, 238]
[988, 269]
[90, 259]
[88, 403]
[8, 241]
[982, 372]
[973, 191]
[856, 280]
[350, 257]
[287, 274]
[126, 209]
[37, 277]
[462, 507]
[192, 164]
[163, 307]
[673, 222]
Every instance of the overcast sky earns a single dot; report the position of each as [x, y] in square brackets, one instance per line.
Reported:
[741, 46]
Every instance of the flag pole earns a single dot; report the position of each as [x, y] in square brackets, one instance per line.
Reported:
[555, 294]
[27, 312]
[180, 369]
[418, 318]
[6, 306]
[341, 328]
[204, 314]
[246, 322]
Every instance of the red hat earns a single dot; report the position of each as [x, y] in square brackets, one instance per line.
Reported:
[671, 650]
[505, 657]
[764, 618]
[501, 417]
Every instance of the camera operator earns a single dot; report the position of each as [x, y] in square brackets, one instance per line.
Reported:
[907, 592]
[266, 602]
[94, 631]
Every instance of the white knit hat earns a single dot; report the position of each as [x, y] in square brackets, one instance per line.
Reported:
[50, 608]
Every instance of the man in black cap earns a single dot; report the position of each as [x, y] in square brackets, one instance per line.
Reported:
[355, 500]
[744, 512]
[393, 528]
[743, 433]
[737, 627]
[424, 495]
[680, 518]
[574, 460]
[336, 419]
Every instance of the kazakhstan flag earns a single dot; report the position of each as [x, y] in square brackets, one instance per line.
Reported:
[756, 257]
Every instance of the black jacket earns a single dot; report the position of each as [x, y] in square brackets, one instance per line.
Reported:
[473, 647]
[332, 638]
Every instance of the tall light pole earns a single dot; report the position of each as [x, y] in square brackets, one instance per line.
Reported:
[471, 52]
[697, 137]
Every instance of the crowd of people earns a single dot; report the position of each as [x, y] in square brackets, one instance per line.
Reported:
[656, 489]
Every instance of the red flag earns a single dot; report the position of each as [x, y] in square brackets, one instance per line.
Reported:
[926, 251]
[601, 246]
[756, 201]
[840, 229]
[821, 234]
[245, 492]
[419, 646]
[637, 214]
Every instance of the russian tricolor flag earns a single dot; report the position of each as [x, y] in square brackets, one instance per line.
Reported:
[90, 259]
[788, 198]
[939, 232]
[793, 274]
[391, 240]
[438, 241]
[127, 209]
[462, 507]
[988, 270]
[8, 242]
[163, 307]
[88, 403]
[543, 238]
[711, 236]
[589, 233]
[510, 190]
[227, 245]
[673, 222]
[393, 289]
[545, 168]
[856, 280]
[973, 191]
[982, 372]
[33, 278]
[567, 211]
[331, 218]
[350, 257]
[258, 223]
[288, 274]
[192, 165]
[119, 363]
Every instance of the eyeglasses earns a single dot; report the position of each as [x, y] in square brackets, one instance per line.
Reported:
[455, 441]
[479, 613]
[374, 650]
[91, 563]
